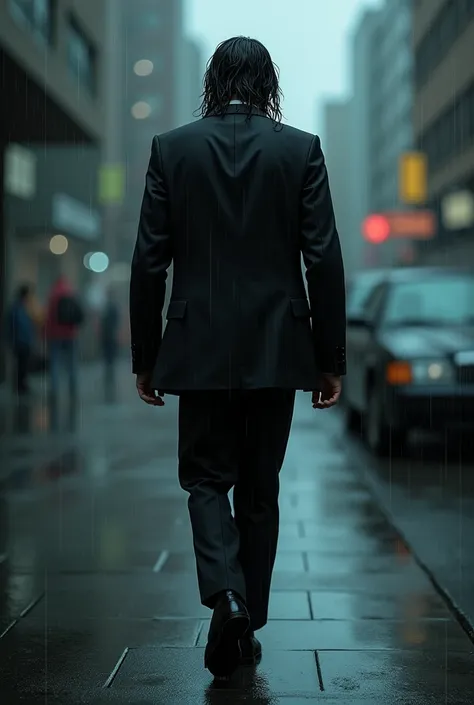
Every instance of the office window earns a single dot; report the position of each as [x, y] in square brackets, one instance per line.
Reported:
[452, 132]
[36, 15]
[446, 28]
[81, 58]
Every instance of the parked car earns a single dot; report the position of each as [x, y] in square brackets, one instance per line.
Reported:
[410, 356]
[360, 286]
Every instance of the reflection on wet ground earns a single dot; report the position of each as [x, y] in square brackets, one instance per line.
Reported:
[430, 496]
[98, 596]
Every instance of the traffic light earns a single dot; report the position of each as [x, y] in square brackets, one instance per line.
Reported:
[376, 229]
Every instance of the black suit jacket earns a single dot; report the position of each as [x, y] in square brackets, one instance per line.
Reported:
[233, 201]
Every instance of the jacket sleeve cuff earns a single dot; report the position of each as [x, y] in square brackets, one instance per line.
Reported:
[333, 361]
[143, 357]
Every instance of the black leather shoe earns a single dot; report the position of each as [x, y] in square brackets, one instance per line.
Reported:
[251, 650]
[229, 624]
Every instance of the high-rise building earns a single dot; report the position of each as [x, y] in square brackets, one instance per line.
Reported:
[337, 147]
[195, 72]
[191, 71]
[112, 171]
[444, 122]
[381, 125]
[391, 75]
[358, 168]
[391, 111]
[51, 87]
[152, 63]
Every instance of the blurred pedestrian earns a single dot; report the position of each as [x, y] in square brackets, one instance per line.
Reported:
[234, 200]
[63, 320]
[21, 334]
[109, 338]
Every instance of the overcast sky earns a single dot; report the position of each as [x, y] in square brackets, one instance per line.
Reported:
[308, 39]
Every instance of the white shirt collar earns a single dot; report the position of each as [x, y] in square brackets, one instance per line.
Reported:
[236, 102]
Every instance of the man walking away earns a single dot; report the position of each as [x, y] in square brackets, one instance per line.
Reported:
[64, 318]
[21, 335]
[233, 200]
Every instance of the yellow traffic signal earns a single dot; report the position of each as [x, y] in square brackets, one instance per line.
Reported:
[413, 177]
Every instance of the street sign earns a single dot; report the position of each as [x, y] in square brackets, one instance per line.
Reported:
[411, 225]
[111, 184]
[413, 178]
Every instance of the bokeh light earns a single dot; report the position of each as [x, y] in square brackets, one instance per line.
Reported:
[58, 244]
[141, 110]
[98, 262]
[376, 229]
[144, 67]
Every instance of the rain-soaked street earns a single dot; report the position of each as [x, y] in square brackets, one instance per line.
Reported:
[99, 600]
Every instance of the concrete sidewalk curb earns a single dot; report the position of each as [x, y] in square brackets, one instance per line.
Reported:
[453, 607]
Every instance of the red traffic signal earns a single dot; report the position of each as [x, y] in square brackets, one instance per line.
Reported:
[376, 229]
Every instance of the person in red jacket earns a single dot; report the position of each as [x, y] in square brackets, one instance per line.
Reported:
[63, 319]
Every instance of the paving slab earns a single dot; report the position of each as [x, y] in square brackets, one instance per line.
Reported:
[420, 676]
[401, 606]
[384, 634]
[177, 676]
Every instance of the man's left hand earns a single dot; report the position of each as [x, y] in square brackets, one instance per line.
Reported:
[146, 391]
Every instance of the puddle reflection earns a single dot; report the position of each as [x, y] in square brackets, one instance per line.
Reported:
[39, 416]
[253, 685]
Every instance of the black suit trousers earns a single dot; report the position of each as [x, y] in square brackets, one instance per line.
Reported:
[234, 439]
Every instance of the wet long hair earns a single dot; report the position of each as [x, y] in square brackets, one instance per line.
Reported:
[242, 69]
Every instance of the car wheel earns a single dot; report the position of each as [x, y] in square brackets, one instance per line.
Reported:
[382, 439]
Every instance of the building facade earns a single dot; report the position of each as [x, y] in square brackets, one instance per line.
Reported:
[51, 69]
[391, 98]
[358, 168]
[152, 66]
[337, 146]
[192, 79]
[444, 122]
[391, 104]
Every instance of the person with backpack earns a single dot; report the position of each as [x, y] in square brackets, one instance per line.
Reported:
[64, 318]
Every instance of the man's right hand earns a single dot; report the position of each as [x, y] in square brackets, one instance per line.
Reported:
[146, 391]
[329, 392]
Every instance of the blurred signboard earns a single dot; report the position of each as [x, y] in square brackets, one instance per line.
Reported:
[457, 210]
[75, 218]
[412, 225]
[413, 178]
[20, 172]
[111, 184]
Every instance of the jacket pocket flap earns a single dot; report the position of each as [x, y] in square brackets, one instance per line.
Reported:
[176, 309]
[300, 308]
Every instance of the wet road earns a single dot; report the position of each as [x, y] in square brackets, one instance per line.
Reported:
[98, 597]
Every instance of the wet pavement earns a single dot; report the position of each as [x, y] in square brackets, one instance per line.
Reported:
[429, 495]
[98, 595]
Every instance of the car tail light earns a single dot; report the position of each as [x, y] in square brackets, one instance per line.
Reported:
[399, 372]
